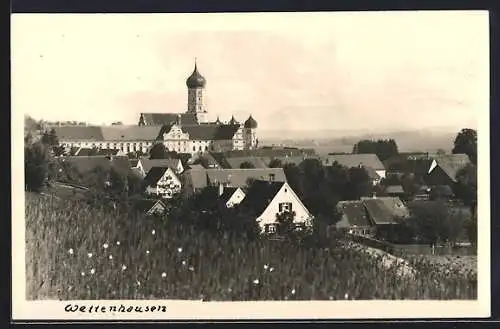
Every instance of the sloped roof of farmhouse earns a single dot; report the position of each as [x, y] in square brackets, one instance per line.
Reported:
[154, 175]
[294, 159]
[147, 164]
[398, 160]
[452, 163]
[169, 118]
[378, 211]
[144, 205]
[239, 177]
[354, 212]
[372, 173]
[268, 152]
[355, 160]
[108, 133]
[394, 205]
[86, 164]
[260, 194]
[228, 193]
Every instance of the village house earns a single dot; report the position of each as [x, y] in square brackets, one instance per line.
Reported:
[443, 169]
[231, 196]
[143, 165]
[354, 218]
[196, 179]
[395, 191]
[149, 207]
[370, 162]
[162, 182]
[86, 164]
[267, 199]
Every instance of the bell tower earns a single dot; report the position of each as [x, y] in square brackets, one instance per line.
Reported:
[196, 88]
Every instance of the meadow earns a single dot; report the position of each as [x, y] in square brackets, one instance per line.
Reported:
[77, 251]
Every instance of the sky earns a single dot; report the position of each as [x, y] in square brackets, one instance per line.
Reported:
[291, 72]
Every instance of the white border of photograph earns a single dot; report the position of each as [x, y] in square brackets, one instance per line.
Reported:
[197, 310]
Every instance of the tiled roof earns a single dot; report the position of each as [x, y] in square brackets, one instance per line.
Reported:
[372, 173]
[130, 133]
[399, 160]
[210, 131]
[228, 193]
[355, 160]
[196, 178]
[354, 212]
[239, 177]
[70, 133]
[269, 152]
[154, 175]
[294, 159]
[108, 133]
[147, 164]
[85, 151]
[394, 205]
[260, 194]
[452, 163]
[169, 118]
[378, 211]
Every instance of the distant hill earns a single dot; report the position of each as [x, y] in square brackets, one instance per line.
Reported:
[407, 141]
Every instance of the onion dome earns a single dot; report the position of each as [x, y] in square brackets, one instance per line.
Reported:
[251, 123]
[196, 80]
[233, 121]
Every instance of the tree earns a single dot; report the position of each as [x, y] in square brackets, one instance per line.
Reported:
[440, 152]
[36, 166]
[202, 161]
[50, 138]
[158, 151]
[276, 163]
[383, 148]
[359, 183]
[247, 165]
[466, 187]
[466, 142]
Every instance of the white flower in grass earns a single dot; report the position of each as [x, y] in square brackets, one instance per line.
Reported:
[266, 267]
[124, 267]
[147, 252]
[70, 251]
[138, 283]
[153, 232]
[92, 271]
[89, 255]
[183, 262]
[179, 249]
[117, 243]
[271, 269]
[346, 296]
[164, 275]
[110, 257]
[191, 268]
[330, 298]
[256, 281]
[105, 246]
[293, 291]
[83, 273]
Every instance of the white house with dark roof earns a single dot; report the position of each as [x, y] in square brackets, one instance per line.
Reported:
[266, 199]
[188, 132]
[162, 182]
[143, 165]
[231, 196]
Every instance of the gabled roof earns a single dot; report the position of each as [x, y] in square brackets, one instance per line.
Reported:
[355, 160]
[144, 205]
[69, 133]
[354, 212]
[235, 163]
[147, 164]
[260, 194]
[210, 131]
[394, 205]
[108, 133]
[228, 193]
[160, 119]
[86, 164]
[134, 162]
[378, 211]
[239, 177]
[294, 159]
[130, 133]
[372, 173]
[154, 175]
[451, 164]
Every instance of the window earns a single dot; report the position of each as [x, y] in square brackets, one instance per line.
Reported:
[194, 148]
[270, 228]
[285, 206]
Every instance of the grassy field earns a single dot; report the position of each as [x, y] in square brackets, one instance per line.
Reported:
[74, 251]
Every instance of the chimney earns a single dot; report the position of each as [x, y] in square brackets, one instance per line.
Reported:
[221, 189]
[271, 177]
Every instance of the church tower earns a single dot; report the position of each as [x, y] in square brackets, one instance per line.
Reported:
[196, 88]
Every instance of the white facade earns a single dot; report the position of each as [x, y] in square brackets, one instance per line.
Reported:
[284, 200]
[167, 186]
[124, 146]
[236, 198]
[196, 104]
